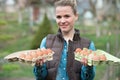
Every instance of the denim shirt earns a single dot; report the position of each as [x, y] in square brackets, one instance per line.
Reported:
[87, 73]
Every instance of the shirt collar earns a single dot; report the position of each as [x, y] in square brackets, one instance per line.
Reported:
[75, 38]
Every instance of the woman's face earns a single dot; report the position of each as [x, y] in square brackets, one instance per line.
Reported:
[65, 18]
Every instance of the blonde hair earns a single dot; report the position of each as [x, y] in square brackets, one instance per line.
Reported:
[71, 3]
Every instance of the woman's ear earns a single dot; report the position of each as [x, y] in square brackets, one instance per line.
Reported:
[77, 15]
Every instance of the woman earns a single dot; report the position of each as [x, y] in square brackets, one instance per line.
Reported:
[64, 66]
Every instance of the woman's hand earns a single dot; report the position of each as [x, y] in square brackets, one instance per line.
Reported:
[84, 61]
[39, 62]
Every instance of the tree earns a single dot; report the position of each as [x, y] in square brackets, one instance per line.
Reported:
[44, 29]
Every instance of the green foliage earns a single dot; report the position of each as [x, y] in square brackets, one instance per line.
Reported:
[5, 37]
[14, 37]
[10, 67]
[44, 29]
[100, 70]
[118, 71]
[3, 22]
[16, 69]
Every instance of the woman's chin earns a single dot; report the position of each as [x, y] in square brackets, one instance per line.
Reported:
[65, 31]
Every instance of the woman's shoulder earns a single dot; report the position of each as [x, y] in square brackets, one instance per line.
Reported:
[85, 40]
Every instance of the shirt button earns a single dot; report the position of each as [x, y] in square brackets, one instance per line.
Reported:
[65, 50]
[64, 59]
[63, 78]
[63, 68]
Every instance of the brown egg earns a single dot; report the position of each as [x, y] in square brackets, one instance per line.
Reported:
[90, 56]
[45, 52]
[33, 54]
[49, 50]
[86, 53]
[39, 53]
[90, 51]
[83, 52]
[103, 57]
[96, 57]
[78, 50]
[28, 58]
[22, 56]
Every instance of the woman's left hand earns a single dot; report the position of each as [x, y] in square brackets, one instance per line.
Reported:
[84, 61]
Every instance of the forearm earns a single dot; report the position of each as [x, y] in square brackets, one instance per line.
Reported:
[40, 72]
[88, 72]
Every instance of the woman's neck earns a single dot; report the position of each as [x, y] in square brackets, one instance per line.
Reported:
[68, 35]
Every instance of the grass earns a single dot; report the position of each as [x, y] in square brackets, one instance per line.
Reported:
[100, 70]
[16, 70]
[16, 37]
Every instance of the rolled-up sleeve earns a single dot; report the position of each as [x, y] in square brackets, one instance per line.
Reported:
[43, 43]
[40, 72]
[88, 72]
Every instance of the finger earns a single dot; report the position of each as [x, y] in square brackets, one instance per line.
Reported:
[39, 62]
[84, 61]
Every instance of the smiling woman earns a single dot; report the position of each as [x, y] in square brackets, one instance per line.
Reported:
[64, 66]
[65, 19]
[66, 15]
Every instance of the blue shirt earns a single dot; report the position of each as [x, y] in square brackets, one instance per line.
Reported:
[87, 73]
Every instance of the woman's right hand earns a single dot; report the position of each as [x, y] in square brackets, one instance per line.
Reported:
[39, 62]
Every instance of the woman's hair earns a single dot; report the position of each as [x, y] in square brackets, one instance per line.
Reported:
[71, 3]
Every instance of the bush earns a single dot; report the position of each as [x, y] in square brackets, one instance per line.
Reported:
[44, 29]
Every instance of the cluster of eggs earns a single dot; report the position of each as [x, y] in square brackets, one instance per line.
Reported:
[92, 57]
[33, 55]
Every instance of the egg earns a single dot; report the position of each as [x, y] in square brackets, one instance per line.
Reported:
[78, 50]
[22, 56]
[103, 57]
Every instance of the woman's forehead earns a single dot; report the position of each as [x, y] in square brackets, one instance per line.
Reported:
[64, 9]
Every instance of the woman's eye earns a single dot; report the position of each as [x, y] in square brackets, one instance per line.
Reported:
[66, 16]
[58, 17]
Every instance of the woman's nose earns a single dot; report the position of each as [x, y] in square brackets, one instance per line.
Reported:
[62, 20]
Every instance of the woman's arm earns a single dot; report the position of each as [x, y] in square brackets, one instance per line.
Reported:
[43, 43]
[88, 72]
[40, 71]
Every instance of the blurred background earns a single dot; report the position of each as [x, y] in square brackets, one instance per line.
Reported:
[23, 24]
